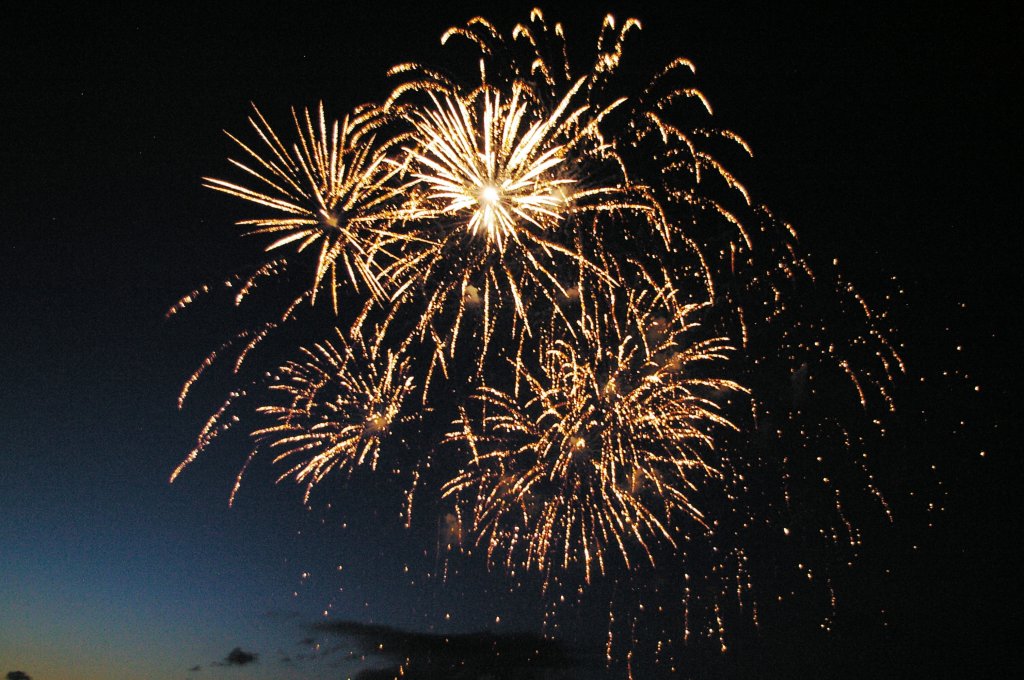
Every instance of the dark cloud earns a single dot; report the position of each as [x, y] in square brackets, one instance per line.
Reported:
[238, 657]
[195, 669]
[472, 656]
[18, 675]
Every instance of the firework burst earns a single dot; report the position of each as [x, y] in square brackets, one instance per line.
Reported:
[334, 190]
[331, 410]
[339, 406]
[501, 175]
[610, 310]
[604, 445]
[505, 184]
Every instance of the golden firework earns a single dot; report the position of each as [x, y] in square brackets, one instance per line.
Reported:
[338, 405]
[488, 166]
[506, 190]
[501, 231]
[336, 189]
[603, 446]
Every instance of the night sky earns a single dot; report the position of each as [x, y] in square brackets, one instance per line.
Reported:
[889, 138]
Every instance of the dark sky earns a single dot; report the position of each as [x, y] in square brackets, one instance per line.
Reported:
[889, 138]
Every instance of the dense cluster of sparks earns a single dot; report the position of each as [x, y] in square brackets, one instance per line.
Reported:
[604, 445]
[340, 405]
[596, 293]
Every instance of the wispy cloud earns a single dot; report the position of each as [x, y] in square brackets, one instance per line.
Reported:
[238, 657]
[433, 656]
